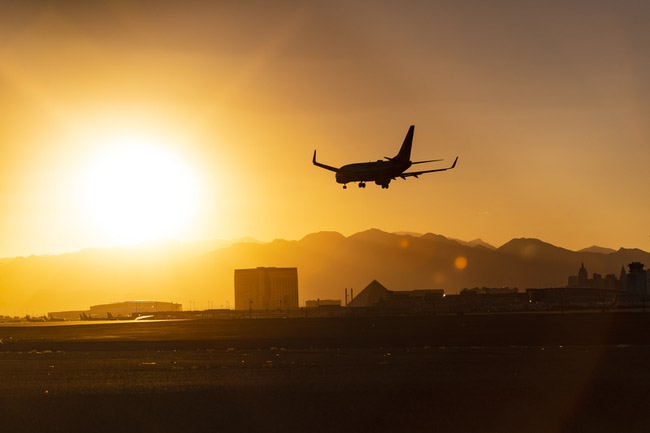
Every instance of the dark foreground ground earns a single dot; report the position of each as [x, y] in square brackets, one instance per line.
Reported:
[472, 373]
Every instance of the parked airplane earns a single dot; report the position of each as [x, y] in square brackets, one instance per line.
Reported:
[110, 316]
[84, 316]
[382, 172]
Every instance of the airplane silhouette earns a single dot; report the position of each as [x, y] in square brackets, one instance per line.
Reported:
[382, 172]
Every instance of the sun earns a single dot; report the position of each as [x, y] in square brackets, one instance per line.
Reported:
[137, 189]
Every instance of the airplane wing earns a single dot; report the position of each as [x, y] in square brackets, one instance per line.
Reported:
[417, 173]
[326, 167]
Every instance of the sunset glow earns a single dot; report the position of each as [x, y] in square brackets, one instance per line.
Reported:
[541, 103]
[136, 190]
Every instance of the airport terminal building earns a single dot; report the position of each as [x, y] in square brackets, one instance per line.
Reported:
[264, 289]
[118, 310]
[133, 308]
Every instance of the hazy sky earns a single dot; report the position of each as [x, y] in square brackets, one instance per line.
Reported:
[547, 105]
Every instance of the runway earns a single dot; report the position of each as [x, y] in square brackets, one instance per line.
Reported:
[452, 374]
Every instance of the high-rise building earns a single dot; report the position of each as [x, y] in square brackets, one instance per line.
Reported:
[610, 282]
[266, 289]
[583, 278]
[637, 280]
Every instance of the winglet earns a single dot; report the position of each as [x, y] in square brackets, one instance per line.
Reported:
[452, 166]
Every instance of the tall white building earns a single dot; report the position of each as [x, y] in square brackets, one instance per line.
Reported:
[266, 289]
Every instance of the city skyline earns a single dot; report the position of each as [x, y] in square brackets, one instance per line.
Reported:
[212, 113]
[328, 262]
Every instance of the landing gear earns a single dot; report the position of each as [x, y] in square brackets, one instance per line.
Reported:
[362, 184]
[345, 186]
[383, 183]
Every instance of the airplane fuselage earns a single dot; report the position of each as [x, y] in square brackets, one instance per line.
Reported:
[380, 172]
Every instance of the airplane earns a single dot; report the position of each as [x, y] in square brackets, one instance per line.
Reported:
[382, 172]
[109, 316]
[90, 317]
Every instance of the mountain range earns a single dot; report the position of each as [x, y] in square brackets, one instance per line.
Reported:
[327, 263]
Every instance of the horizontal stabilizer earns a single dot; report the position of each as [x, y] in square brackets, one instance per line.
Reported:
[423, 162]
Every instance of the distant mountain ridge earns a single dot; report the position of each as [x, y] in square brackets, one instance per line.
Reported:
[156, 247]
[476, 242]
[597, 249]
[327, 263]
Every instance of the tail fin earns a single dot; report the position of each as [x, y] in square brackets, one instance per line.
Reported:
[405, 151]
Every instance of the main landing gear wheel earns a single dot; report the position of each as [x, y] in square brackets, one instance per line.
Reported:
[345, 187]
[362, 184]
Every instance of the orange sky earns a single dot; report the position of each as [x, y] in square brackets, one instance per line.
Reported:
[545, 103]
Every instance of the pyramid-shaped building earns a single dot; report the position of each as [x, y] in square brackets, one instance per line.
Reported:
[372, 294]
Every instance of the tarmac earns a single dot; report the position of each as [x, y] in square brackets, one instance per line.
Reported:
[501, 373]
